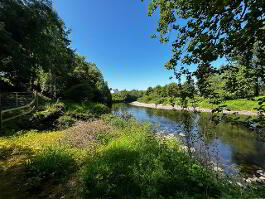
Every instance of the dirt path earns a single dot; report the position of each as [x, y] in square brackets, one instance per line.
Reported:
[168, 107]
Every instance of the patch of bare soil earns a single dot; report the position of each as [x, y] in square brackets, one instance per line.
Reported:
[85, 134]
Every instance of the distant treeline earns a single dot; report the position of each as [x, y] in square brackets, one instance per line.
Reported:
[127, 96]
[225, 83]
[35, 54]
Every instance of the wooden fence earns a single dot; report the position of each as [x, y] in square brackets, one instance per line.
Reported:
[17, 101]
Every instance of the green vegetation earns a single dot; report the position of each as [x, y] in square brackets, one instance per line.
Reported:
[86, 108]
[51, 161]
[138, 165]
[126, 96]
[74, 148]
[209, 33]
[114, 157]
[236, 104]
[219, 93]
[65, 121]
[35, 54]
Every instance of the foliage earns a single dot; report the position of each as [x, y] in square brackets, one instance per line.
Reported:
[209, 29]
[239, 82]
[87, 83]
[255, 69]
[80, 92]
[231, 82]
[35, 55]
[99, 109]
[261, 115]
[128, 162]
[52, 161]
[32, 140]
[46, 118]
[169, 93]
[127, 96]
[89, 108]
[103, 94]
[65, 122]
[139, 165]
[32, 37]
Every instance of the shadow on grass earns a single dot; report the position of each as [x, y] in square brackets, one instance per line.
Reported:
[147, 169]
[44, 175]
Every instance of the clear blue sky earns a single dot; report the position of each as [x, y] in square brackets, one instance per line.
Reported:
[115, 34]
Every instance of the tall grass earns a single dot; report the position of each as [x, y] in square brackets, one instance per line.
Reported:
[55, 161]
[140, 165]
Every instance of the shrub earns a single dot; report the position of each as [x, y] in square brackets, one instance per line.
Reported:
[86, 107]
[99, 109]
[65, 121]
[45, 119]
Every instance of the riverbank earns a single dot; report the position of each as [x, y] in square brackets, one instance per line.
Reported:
[93, 159]
[176, 107]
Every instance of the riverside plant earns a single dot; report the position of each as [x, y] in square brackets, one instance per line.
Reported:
[137, 164]
[207, 154]
[140, 165]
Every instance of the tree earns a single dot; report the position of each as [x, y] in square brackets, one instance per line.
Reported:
[85, 82]
[255, 68]
[238, 81]
[149, 90]
[210, 29]
[32, 36]
[187, 91]
[173, 90]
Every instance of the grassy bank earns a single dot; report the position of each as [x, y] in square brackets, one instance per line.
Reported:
[110, 157]
[235, 105]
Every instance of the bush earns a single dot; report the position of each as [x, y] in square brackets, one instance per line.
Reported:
[65, 121]
[46, 119]
[87, 108]
[99, 109]
[52, 161]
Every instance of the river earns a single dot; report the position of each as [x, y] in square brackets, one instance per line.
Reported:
[236, 147]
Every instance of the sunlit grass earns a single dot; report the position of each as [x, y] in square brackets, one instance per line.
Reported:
[33, 140]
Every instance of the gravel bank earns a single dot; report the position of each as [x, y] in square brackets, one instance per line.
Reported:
[168, 107]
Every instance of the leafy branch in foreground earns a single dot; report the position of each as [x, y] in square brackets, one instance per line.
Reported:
[208, 30]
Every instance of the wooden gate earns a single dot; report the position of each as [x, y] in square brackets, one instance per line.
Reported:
[10, 102]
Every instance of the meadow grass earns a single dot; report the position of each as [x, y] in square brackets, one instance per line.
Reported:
[32, 140]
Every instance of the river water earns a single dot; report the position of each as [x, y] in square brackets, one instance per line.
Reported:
[235, 146]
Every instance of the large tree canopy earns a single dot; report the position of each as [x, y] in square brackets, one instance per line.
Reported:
[210, 29]
[35, 54]
[32, 36]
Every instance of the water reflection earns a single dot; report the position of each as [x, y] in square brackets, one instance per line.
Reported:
[235, 144]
